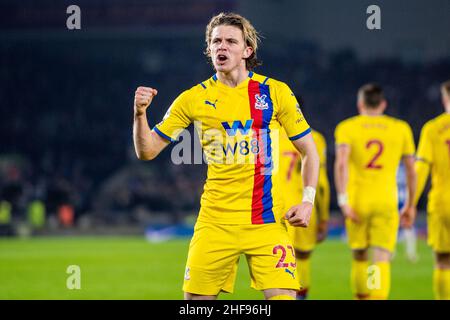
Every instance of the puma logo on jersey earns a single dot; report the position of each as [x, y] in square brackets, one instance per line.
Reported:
[211, 103]
[290, 272]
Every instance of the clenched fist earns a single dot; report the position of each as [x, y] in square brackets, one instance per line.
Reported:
[142, 99]
[299, 215]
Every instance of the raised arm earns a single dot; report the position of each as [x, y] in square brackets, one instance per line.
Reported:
[147, 143]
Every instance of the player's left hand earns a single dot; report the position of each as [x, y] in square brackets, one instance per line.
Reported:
[349, 213]
[407, 217]
[322, 231]
[299, 215]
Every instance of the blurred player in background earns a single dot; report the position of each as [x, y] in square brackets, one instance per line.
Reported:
[305, 239]
[433, 153]
[369, 148]
[408, 235]
[236, 113]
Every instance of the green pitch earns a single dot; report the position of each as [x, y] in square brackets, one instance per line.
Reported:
[131, 268]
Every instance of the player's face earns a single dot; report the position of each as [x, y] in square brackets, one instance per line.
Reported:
[228, 49]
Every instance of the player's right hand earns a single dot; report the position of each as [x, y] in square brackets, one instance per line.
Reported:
[142, 99]
[407, 217]
[349, 213]
[299, 215]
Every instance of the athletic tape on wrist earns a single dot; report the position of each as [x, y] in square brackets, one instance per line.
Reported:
[309, 193]
[342, 199]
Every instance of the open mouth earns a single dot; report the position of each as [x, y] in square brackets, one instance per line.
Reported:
[222, 58]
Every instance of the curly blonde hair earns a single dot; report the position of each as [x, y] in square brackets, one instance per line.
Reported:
[251, 36]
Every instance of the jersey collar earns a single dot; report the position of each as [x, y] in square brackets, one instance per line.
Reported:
[240, 85]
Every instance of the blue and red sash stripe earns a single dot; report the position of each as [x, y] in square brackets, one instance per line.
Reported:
[262, 202]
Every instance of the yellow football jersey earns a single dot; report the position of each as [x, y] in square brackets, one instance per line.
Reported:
[434, 148]
[291, 179]
[377, 144]
[237, 127]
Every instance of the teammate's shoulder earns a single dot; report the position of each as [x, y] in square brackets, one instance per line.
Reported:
[444, 117]
[394, 123]
[318, 136]
[320, 140]
[398, 122]
[432, 124]
[348, 122]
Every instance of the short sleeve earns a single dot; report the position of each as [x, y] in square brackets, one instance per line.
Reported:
[290, 115]
[342, 135]
[176, 118]
[424, 150]
[408, 148]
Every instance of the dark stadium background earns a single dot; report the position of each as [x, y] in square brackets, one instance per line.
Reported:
[66, 95]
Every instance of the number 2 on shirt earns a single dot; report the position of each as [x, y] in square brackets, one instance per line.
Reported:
[379, 147]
